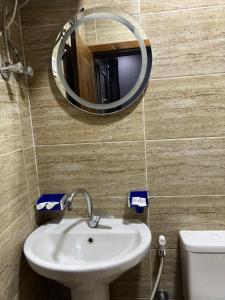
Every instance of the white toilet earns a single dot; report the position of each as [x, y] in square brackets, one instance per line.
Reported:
[203, 264]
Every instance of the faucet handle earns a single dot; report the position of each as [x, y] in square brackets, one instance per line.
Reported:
[93, 221]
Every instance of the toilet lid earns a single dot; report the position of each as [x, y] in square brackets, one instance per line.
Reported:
[203, 241]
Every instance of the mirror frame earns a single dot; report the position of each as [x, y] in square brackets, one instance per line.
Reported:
[134, 93]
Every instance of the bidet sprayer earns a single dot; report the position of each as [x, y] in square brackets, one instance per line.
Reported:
[162, 254]
[162, 245]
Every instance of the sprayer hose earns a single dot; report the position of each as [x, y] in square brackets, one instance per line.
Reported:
[157, 278]
[16, 5]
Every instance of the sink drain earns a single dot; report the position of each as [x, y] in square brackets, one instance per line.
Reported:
[90, 240]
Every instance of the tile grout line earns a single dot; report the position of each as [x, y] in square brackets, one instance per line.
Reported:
[28, 209]
[152, 79]
[144, 128]
[13, 223]
[60, 24]
[145, 143]
[146, 169]
[89, 143]
[25, 166]
[188, 138]
[153, 196]
[143, 14]
[17, 96]
[31, 119]
[188, 76]
[146, 179]
[26, 95]
[34, 146]
[21, 136]
[95, 29]
[145, 148]
[120, 198]
[184, 9]
[29, 147]
[149, 13]
[133, 141]
[139, 9]
[10, 152]
[188, 196]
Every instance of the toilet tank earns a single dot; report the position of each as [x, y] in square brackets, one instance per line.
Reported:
[203, 264]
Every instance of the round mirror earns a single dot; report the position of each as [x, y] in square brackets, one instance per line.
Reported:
[102, 61]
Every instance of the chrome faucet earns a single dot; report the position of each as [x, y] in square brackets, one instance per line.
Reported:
[92, 219]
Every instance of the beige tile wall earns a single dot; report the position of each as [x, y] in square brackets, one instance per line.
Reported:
[18, 185]
[171, 142]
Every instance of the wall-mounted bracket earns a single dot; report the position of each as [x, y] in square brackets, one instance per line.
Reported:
[6, 69]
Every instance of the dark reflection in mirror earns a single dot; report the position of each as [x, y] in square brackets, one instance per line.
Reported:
[102, 73]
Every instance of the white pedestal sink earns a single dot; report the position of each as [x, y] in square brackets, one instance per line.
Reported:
[87, 259]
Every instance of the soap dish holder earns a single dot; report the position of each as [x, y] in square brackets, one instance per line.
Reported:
[51, 202]
[139, 200]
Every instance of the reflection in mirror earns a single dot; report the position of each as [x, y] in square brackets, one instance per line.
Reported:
[102, 62]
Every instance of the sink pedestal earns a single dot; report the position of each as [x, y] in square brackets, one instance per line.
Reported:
[100, 293]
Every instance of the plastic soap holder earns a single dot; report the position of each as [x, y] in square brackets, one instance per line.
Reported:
[138, 200]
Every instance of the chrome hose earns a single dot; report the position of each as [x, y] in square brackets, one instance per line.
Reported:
[162, 254]
[157, 278]
[23, 4]
[8, 66]
[16, 6]
[4, 29]
[13, 15]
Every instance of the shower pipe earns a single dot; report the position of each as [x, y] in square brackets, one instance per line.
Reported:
[6, 26]
[14, 13]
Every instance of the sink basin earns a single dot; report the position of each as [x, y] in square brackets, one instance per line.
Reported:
[87, 259]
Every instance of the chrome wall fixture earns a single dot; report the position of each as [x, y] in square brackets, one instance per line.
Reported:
[9, 65]
[7, 68]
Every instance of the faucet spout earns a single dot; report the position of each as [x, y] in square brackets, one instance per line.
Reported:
[92, 219]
